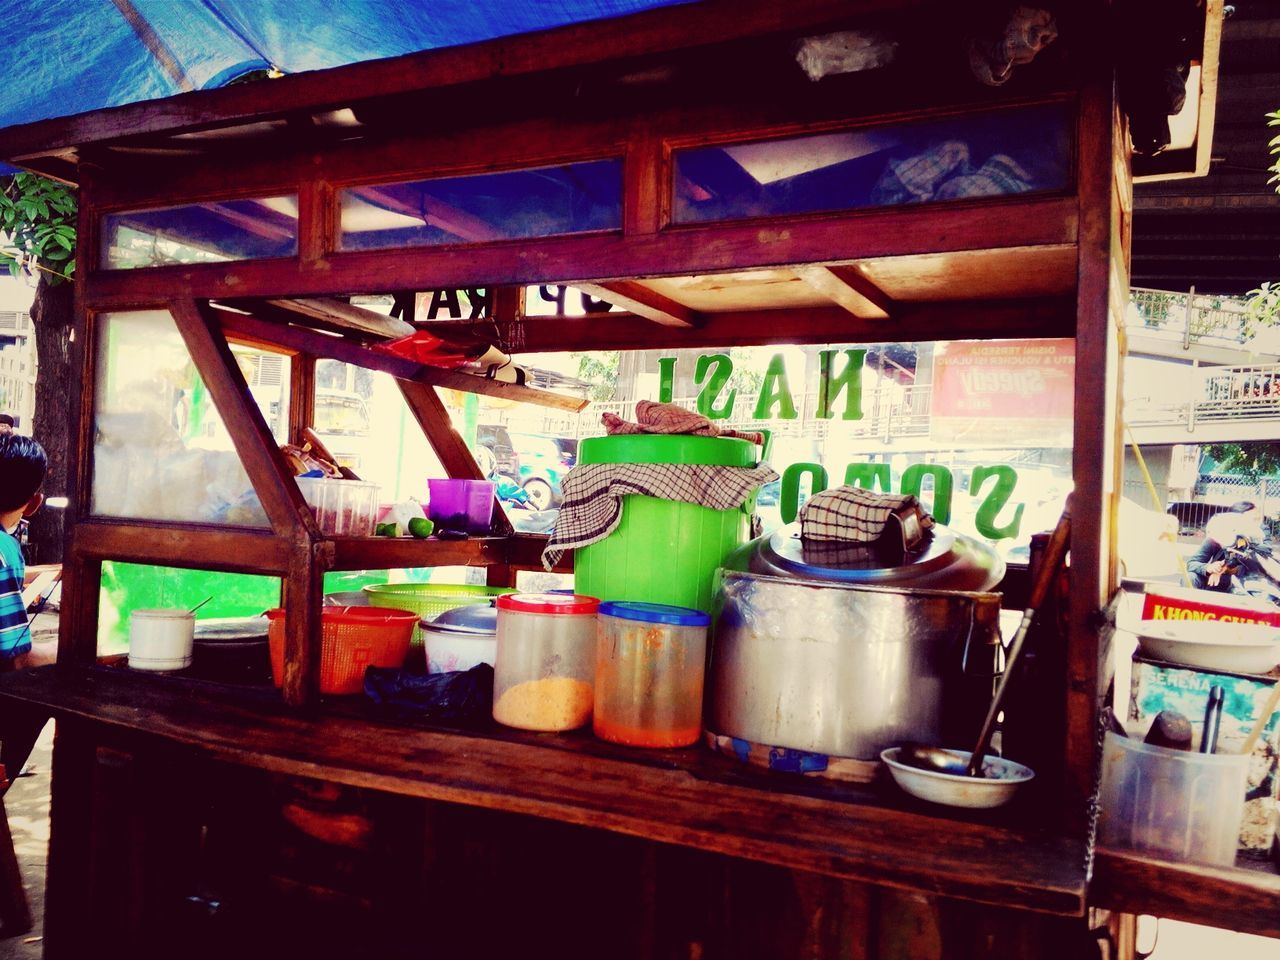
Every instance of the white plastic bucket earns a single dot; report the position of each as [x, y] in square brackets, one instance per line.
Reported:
[161, 639]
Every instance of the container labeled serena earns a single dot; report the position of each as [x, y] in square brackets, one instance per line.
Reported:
[649, 671]
[544, 668]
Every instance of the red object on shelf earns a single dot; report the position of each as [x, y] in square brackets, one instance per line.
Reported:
[352, 638]
[423, 347]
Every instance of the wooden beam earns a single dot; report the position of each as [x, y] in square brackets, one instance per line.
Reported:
[916, 322]
[1241, 900]
[456, 458]
[435, 213]
[383, 553]
[271, 477]
[605, 258]
[653, 31]
[346, 316]
[636, 298]
[848, 287]
[201, 546]
[336, 348]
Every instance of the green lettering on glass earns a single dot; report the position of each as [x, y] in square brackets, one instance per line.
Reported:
[913, 481]
[994, 502]
[830, 385]
[868, 476]
[666, 379]
[789, 495]
[711, 374]
[774, 392]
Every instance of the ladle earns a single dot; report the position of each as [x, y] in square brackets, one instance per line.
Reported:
[934, 758]
[200, 604]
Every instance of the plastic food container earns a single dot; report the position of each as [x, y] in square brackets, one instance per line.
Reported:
[1172, 803]
[161, 639]
[664, 551]
[461, 638]
[465, 506]
[344, 508]
[544, 671]
[352, 638]
[649, 670]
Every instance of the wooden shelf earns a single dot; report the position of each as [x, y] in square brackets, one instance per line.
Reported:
[1235, 898]
[688, 797]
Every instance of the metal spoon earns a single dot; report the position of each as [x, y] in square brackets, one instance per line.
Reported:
[931, 758]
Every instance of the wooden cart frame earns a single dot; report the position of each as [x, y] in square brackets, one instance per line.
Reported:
[1066, 252]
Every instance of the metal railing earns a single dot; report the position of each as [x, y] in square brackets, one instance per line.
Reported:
[1189, 317]
[1221, 393]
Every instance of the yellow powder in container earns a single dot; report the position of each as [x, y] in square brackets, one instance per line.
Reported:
[553, 703]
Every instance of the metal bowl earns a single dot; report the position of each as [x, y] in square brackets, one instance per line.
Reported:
[998, 784]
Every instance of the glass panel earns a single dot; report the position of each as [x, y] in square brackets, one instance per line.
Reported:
[209, 232]
[927, 418]
[365, 423]
[511, 205]
[984, 155]
[161, 451]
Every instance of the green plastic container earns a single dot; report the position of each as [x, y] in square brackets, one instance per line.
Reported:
[429, 600]
[664, 551]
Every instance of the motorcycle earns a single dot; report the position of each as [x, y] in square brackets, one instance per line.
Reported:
[1256, 569]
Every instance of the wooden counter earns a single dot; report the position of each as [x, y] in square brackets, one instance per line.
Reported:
[687, 797]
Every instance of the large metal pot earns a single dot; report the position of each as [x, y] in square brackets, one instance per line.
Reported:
[847, 669]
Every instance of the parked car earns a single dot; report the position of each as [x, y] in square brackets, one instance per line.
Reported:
[543, 461]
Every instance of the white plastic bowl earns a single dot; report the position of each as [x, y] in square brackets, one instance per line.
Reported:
[1211, 644]
[995, 788]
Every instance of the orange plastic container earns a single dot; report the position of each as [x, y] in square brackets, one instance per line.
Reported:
[352, 638]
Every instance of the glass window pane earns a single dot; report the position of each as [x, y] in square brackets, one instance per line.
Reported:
[927, 418]
[362, 418]
[209, 232]
[511, 205]
[161, 451]
[983, 155]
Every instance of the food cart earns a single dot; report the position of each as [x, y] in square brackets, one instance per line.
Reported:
[326, 185]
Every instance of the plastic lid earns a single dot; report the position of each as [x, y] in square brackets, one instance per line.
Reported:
[557, 604]
[669, 448]
[655, 613]
[164, 613]
[471, 618]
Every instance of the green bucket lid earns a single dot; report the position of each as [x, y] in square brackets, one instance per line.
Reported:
[669, 448]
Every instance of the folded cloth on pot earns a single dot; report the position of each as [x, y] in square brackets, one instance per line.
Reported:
[854, 515]
[591, 507]
[654, 417]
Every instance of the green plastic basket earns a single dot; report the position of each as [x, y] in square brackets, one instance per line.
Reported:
[429, 600]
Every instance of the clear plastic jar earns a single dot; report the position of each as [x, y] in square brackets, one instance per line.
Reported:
[544, 671]
[650, 659]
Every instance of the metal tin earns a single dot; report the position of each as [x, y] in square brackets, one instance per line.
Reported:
[847, 671]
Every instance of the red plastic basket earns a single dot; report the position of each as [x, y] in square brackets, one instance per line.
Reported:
[352, 638]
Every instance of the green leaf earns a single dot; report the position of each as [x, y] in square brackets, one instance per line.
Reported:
[14, 269]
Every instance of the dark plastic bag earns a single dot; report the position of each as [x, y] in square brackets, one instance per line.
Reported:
[463, 698]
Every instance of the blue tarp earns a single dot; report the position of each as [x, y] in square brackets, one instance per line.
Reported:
[69, 56]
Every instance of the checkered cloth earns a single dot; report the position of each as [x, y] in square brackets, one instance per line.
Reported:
[669, 418]
[853, 515]
[946, 172]
[592, 504]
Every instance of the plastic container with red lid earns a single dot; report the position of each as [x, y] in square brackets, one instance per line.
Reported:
[544, 671]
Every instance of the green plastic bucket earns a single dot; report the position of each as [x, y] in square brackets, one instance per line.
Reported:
[664, 551]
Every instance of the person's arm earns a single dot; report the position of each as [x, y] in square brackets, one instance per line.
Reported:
[15, 634]
[1200, 561]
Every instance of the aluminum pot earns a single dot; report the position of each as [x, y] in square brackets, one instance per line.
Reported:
[848, 670]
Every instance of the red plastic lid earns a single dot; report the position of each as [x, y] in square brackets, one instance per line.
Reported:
[557, 604]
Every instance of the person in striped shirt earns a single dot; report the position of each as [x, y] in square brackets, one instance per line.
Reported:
[22, 468]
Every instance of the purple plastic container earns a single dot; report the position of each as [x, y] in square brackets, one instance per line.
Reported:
[463, 506]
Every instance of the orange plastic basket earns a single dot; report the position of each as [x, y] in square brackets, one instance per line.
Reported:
[352, 638]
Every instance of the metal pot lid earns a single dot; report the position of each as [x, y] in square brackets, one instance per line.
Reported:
[231, 629]
[883, 562]
[474, 619]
